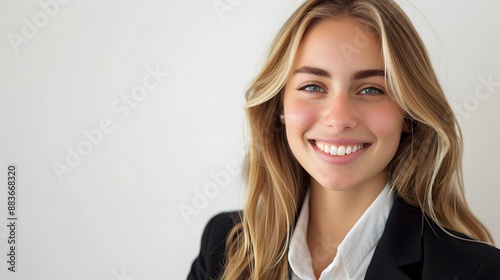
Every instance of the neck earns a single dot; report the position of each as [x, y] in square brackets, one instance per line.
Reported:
[337, 211]
[332, 214]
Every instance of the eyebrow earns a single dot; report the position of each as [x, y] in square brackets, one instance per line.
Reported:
[363, 74]
[313, 71]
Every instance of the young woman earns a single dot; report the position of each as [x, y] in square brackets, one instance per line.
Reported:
[354, 167]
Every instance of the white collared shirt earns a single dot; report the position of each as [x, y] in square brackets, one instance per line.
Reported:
[353, 254]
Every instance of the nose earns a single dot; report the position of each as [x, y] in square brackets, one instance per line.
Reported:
[340, 114]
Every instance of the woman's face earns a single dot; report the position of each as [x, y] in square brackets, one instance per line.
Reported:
[340, 123]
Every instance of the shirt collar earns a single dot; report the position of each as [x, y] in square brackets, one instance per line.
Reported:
[367, 231]
[299, 257]
[363, 236]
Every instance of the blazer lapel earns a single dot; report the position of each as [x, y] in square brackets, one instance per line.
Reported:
[399, 252]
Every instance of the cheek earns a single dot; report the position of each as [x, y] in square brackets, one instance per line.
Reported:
[298, 115]
[386, 122]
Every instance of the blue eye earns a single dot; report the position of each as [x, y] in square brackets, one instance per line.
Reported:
[311, 88]
[371, 91]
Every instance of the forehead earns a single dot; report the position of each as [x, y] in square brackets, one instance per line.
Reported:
[340, 41]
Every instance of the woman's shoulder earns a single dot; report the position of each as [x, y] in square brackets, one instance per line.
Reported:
[419, 248]
[446, 250]
[217, 230]
[456, 249]
[211, 259]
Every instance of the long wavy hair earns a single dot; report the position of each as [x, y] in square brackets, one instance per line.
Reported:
[425, 172]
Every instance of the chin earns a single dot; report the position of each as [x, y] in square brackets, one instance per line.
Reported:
[337, 186]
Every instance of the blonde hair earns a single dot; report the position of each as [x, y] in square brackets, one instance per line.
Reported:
[425, 172]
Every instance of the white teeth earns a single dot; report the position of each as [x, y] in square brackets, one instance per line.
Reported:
[340, 151]
[333, 150]
[348, 150]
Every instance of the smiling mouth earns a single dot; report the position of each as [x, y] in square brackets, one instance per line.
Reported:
[341, 150]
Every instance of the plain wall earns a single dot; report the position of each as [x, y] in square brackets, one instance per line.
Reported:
[68, 69]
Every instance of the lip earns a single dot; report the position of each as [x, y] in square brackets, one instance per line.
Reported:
[335, 159]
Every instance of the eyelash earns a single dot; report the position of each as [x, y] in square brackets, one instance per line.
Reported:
[380, 91]
[305, 86]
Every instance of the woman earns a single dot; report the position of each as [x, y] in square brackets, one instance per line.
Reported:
[354, 168]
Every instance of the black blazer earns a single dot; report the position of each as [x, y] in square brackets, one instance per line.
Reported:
[411, 247]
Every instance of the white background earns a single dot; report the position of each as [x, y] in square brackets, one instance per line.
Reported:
[117, 215]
